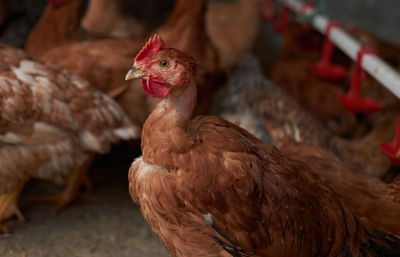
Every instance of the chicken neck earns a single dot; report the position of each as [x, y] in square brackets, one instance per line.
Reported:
[165, 130]
[101, 6]
[186, 27]
[57, 25]
[105, 12]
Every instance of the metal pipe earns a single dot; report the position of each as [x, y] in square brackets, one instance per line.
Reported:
[374, 65]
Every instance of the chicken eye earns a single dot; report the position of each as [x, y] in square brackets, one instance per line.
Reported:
[164, 63]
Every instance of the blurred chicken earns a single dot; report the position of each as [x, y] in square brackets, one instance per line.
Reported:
[104, 62]
[283, 117]
[233, 28]
[51, 125]
[292, 73]
[186, 30]
[58, 25]
[106, 18]
[374, 202]
[251, 98]
[209, 188]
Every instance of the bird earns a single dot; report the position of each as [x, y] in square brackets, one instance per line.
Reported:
[247, 88]
[258, 105]
[104, 62]
[233, 27]
[210, 188]
[52, 123]
[58, 25]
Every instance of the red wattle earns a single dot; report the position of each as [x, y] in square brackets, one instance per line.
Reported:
[155, 87]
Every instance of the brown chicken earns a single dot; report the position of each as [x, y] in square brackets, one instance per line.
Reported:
[248, 89]
[51, 124]
[248, 92]
[374, 202]
[58, 25]
[104, 62]
[106, 18]
[233, 28]
[209, 188]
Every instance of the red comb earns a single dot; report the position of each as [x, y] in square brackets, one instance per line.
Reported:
[152, 46]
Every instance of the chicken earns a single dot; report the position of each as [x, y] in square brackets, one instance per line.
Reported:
[209, 188]
[58, 25]
[249, 96]
[106, 18]
[233, 28]
[104, 62]
[101, 62]
[374, 202]
[51, 125]
[248, 89]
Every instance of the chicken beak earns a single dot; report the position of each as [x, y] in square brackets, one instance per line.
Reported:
[135, 73]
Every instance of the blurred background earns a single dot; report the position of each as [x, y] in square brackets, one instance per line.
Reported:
[377, 16]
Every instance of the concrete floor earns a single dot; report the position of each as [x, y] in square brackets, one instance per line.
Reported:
[104, 223]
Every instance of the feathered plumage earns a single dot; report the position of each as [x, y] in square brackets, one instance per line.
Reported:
[249, 95]
[58, 25]
[209, 188]
[284, 118]
[50, 121]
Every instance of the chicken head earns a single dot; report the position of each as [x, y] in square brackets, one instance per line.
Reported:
[161, 68]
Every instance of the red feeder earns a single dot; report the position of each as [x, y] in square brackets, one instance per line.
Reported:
[325, 69]
[353, 100]
[267, 10]
[282, 19]
[392, 149]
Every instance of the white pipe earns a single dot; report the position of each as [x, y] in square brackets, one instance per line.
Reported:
[375, 66]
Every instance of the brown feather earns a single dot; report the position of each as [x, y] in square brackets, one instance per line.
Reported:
[50, 120]
[57, 26]
[263, 201]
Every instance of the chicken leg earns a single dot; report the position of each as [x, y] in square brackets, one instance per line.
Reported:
[9, 207]
[77, 179]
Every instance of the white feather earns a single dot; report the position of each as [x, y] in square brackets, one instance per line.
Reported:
[209, 219]
[31, 67]
[90, 142]
[23, 76]
[127, 133]
[144, 168]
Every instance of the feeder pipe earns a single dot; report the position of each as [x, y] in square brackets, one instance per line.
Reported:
[374, 65]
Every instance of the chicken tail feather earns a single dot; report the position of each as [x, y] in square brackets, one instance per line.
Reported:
[381, 244]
